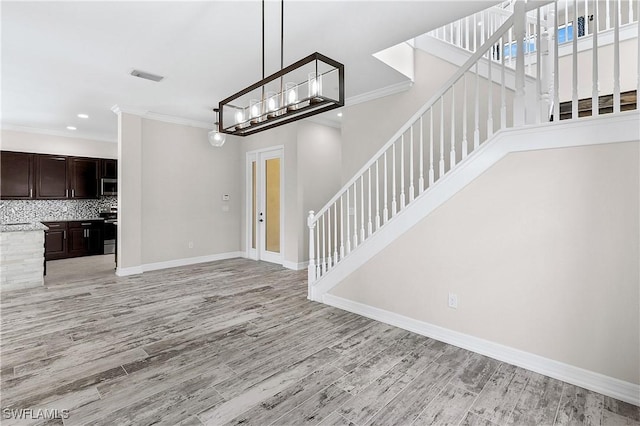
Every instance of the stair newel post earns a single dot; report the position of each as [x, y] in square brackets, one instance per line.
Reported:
[519, 24]
[311, 277]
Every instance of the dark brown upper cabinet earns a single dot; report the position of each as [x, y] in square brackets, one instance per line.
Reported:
[26, 176]
[52, 180]
[83, 177]
[16, 176]
[109, 169]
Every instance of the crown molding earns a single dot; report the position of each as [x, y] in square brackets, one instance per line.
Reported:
[49, 132]
[403, 86]
[324, 121]
[119, 109]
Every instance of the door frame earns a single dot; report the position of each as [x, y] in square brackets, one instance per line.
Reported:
[251, 156]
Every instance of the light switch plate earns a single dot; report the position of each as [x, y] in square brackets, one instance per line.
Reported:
[225, 197]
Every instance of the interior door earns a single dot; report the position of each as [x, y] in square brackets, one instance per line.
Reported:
[265, 201]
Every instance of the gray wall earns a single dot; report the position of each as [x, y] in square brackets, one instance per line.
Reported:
[543, 251]
[171, 183]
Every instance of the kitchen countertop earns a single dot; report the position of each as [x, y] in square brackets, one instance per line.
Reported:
[72, 219]
[17, 227]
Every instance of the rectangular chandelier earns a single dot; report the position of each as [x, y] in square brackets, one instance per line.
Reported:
[308, 87]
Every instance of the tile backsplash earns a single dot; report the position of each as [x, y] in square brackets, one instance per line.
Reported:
[18, 211]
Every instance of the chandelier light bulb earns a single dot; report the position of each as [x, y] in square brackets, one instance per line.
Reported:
[239, 116]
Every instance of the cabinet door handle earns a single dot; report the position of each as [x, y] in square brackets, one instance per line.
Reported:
[30, 192]
[66, 193]
[73, 193]
[64, 235]
[85, 224]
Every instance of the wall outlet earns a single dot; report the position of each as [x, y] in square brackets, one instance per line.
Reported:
[225, 208]
[190, 244]
[453, 300]
[225, 197]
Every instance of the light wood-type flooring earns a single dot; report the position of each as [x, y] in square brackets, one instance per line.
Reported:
[236, 342]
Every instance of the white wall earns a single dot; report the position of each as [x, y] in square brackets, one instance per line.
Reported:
[49, 144]
[319, 167]
[543, 252]
[367, 126]
[171, 186]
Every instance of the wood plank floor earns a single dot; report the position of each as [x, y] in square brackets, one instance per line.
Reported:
[236, 342]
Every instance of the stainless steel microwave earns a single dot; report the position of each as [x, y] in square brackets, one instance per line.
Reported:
[109, 186]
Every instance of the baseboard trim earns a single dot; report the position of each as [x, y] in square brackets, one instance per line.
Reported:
[596, 382]
[295, 266]
[136, 270]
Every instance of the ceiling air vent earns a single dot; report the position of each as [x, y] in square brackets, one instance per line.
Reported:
[146, 75]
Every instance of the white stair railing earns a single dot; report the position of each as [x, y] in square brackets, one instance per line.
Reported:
[577, 19]
[462, 115]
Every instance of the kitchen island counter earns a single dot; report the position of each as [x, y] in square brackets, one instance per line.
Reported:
[22, 260]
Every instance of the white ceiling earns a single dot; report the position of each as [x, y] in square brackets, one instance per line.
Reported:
[60, 59]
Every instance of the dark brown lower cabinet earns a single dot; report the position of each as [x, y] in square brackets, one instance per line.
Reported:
[74, 239]
[85, 238]
[55, 241]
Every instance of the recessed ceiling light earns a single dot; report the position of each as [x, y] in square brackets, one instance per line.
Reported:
[339, 114]
[71, 128]
[83, 116]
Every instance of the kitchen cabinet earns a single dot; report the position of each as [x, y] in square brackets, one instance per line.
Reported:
[109, 168]
[51, 177]
[83, 177]
[26, 176]
[85, 238]
[16, 176]
[55, 241]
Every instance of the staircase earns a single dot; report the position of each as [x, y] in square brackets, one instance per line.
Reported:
[461, 131]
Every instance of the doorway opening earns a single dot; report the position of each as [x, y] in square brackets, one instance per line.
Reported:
[265, 205]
